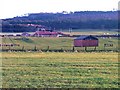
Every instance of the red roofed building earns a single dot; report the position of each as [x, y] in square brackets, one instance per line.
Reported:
[46, 34]
[49, 34]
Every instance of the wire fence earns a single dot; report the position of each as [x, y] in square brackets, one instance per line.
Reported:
[57, 49]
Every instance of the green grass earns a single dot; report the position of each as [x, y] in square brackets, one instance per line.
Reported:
[55, 43]
[41, 43]
[91, 31]
[59, 70]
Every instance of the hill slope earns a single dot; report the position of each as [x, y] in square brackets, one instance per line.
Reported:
[74, 20]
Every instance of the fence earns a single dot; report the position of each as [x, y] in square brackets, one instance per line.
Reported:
[59, 49]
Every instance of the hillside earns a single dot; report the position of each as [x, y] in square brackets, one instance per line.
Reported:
[74, 20]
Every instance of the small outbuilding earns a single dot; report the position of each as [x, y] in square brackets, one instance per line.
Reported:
[86, 41]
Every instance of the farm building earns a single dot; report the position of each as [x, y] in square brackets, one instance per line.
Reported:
[86, 41]
[49, 34]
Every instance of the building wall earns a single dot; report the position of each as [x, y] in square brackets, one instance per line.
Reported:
[85, 43]
[78, 43]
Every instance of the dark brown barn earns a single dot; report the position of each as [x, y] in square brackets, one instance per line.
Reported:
[86, 41]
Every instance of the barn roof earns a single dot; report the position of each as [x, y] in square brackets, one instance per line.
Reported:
[84, 37]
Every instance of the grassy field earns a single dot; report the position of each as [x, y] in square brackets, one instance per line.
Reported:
[54, 43]
[60, 69]
[91, 31]
[55, 70]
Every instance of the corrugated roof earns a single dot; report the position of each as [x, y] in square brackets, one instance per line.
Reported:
[83, 37]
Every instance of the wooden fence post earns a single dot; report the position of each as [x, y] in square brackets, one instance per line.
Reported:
[85, 48]
[73, 49]
[48, 48]
[35, 48]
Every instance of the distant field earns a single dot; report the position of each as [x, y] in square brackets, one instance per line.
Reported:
[54, 43]
[91, 31]
[60, 70]
[78, 32]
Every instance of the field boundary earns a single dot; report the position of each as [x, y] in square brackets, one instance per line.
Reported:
[56, 50]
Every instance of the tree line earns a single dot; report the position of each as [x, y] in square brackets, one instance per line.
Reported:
[74, 20]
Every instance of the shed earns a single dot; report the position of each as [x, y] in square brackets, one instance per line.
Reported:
[86, 41]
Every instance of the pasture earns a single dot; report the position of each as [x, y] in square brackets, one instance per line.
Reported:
[59, 70]
[91, 31]
[54, 69]
[62, 43]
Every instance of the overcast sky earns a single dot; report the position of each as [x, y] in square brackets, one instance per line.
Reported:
[12, 8]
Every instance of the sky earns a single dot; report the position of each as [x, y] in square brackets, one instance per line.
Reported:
[12, 8]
